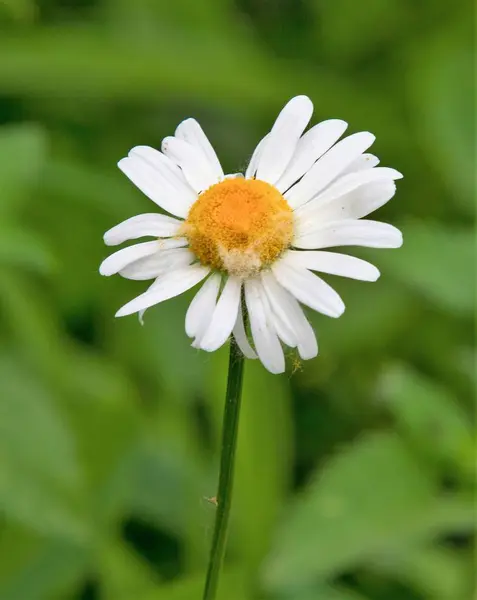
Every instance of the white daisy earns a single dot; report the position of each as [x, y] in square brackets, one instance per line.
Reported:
[257, 237]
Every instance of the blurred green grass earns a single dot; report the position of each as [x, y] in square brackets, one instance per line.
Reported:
[356, 470]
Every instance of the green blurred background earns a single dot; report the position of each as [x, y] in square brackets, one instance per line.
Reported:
[355, 470]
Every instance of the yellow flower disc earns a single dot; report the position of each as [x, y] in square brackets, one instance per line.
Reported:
[239, 225]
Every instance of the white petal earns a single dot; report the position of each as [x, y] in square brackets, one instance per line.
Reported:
[365, 161]
[351, 232]
[190, 131]
[166, 287]
[171, 175]
[359, 203]
[332, 263]
[310, 147]
[151, 183]
[288, 310]
[280, 146]
[328, 167]
[307, 346]
[202, 307]
[345, 185]
[240, 336]
[140, 226]
[195, 166]
[266, 340]
[159, 263]
[253, 164]
[224, 317]
[120, 259]
[167, 244]
[170, 243]
[308, 288]
[278, 312]
[279, 323]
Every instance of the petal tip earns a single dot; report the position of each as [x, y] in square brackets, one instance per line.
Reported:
[339, 310]
[303, 98]
[166, 143]
[375, 275]
[104, 270]
[398, 175]
[121, 163]
[108, 238]
[304, 103]
[121, 312]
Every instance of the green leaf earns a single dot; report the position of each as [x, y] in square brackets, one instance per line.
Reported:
[431, 416]
[51, 569]
[24, 249]
[353, 509]
[124, 574]
[39, 470]
[22, 155]
[374, 317]
[441, 92]
[163, 340]
[437, 262]
[438, 572]
[320, 592]
[89, 188]
[232, 586]
[29, 414]
[263, 460]
[164, 480]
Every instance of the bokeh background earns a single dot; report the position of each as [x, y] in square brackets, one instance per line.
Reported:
[355, 470]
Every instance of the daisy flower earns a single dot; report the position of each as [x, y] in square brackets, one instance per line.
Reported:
[255, 240]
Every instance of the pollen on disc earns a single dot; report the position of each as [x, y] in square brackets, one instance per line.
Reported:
[239, 225]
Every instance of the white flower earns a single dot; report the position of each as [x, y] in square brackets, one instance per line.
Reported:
[257, 237]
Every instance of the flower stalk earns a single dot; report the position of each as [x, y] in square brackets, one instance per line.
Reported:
[227, 465]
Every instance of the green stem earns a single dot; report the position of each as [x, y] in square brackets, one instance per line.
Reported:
[227, 464]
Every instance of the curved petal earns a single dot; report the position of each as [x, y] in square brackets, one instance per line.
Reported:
[202, 307]
[332, 263]
[355, 205]
[122, 258]
[308, 345]
[224, 317]
[365, 161]
[170, 174]
[344, 185]
[286, 131]
[309, 289]
[190, 131]
[166, 287]
[288, 310]
[157, 264]
[310, 147]
[142, 225]
[150, 182]
[195, 166]
[329, 166]
[266, 341]
[252, 165]
[351, 232]
[241, 338]
[281, 325]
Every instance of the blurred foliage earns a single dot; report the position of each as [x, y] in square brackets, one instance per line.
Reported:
[356, 470]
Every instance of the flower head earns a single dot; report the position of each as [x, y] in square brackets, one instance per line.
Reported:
[256, 237]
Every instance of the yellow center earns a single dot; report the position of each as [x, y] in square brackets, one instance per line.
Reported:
[239, 225]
